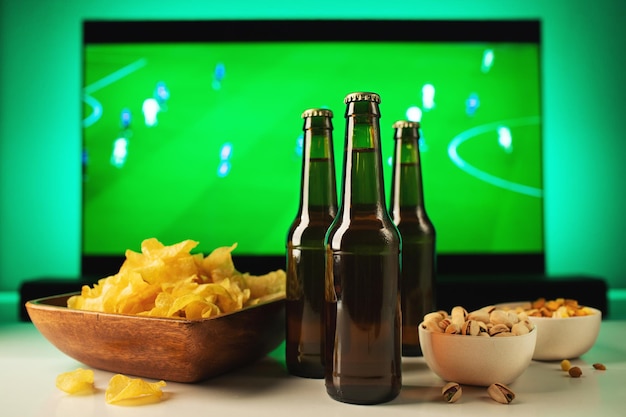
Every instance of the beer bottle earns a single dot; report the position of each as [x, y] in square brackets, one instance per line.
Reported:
[305, 248]
[363, 246]
[417, 231]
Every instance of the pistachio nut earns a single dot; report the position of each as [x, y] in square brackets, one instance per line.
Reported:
[501, 393]
[451, 392]
[436, 316]
[471, 328]
[520, 329]
[454, 328]
[498, 329]
[479, 315]
[432, 326]
[512, 317]
[499, 316]
[458, 314]
[443, 324]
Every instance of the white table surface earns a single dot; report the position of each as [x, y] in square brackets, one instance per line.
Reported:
[29, 365]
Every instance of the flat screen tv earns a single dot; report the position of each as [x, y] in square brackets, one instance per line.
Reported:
[193, 130]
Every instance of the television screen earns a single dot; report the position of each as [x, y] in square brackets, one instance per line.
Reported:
[193, 130]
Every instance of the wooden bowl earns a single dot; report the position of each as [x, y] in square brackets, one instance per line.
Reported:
[161, 348]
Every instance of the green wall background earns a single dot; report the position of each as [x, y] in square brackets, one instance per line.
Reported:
[584, 63]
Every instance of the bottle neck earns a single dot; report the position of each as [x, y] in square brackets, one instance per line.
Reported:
[318, 182]
[406, 186]
[363, 187]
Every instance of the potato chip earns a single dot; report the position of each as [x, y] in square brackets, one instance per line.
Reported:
[123, 390]
[170, 281]
[262, 285]
[219, 263]
[76, 382]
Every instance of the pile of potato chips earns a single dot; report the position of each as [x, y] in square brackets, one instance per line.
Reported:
[170, 281]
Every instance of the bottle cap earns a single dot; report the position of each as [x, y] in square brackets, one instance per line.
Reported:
[362, 96]
[317, 112]
[405, 124]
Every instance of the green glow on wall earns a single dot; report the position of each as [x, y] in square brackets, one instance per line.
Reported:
[584, 90]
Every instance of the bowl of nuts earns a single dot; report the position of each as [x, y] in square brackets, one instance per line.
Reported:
[565, 329]
[481, 347]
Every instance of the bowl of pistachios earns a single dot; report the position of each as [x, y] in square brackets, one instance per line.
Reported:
[482, 347]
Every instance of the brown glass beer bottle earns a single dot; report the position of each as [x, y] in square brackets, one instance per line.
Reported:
[418, 234]
[305, 248]
[363, 249]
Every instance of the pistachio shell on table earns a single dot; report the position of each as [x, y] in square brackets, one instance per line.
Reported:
[501, 393]
[451, 392]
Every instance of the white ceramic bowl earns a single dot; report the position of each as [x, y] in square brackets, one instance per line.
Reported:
[476, 360]
[562, 338]
[565, 338]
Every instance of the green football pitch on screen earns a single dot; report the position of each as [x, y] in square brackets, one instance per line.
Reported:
[203, 141]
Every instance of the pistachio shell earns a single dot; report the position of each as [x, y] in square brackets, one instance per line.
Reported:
[501, 393]
[453, 328]
[432, 326]
[451, 392]
[443, 324]
[512, 317]
[470, 328]
[458, 314]
[498, 329]
[434, 316]
[488, 308]
[528, 324]
[479, 315]
[519, 329]
[499, 316]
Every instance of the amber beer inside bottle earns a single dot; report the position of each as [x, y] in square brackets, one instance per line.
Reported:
[305, 248]
[417, 231]
[363, 321]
